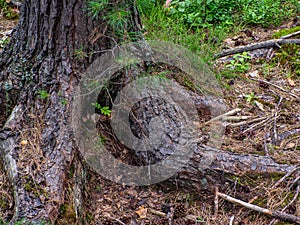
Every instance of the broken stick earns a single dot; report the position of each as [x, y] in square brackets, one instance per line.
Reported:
[276, 214]
[254, 46]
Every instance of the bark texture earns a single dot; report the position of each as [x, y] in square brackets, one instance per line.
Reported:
[53, 42]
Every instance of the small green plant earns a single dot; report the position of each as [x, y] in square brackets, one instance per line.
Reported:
[210, 13]
[104, 110]
[288, 56]
[267, 12]
[80, 54]
[102, 139]
[199, 13]
[4, 41]
[250, 97]
[163, 75]
[239, 63]
[43, 94]
[284, 32]
[63, 101]
[96, 6]
[7, 11]
[117, 18]
[116, 15]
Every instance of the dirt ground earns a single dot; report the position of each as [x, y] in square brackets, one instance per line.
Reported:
[265, 94]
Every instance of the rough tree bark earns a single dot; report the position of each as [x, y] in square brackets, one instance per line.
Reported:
[53, 43]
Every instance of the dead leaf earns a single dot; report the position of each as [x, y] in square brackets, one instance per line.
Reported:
[253, 74]
[24, 142]
[142, 212]
[291, 82]
[229, 42]
[290, 145]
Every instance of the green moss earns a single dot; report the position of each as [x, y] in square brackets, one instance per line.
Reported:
[63, 209]
[284, 32]
[288, 57]
[67, 213]
[28, 186]
[3, 204]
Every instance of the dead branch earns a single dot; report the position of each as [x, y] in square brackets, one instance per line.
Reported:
[254, 46]
[216, 201]
[159, 213]
[258, 124]
[285, 176]
[220, 117]
[288, 205]
[231, 220]
[276, 214]
[278, 87]
[247, 122]
[275, 120]
[290, 35]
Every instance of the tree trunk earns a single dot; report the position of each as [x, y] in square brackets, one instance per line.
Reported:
[53, 43]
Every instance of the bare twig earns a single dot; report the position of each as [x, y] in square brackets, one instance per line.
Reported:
[288, 205]
[290, 35]
[159, 213]
[294, 198]
[275, 120]
[296, 181]
[276, 214]
[278, 87]
[117, 220]
[236, 118]
[266, 149]
[270, 54]
[220, 117]
[231, 220]
[285, 176]
[216, 201]
[246, 122]
[264, 44]
[170, 216]
[256, 125]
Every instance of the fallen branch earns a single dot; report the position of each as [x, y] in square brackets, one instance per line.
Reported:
[231, 220]
[285, 176]
[159, 213]
[247, 122]
[254, 46]
[216, 201]
[220, 117]
[290, 35]
[276, 214]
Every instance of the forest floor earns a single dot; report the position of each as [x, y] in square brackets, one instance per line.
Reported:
[263, 86]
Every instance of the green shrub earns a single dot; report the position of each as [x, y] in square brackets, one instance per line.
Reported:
[208, 13]
[267, 12]
[201, 13]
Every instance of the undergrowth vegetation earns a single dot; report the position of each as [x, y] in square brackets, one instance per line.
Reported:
[208, 13]
[6, 10]
[200, 25]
